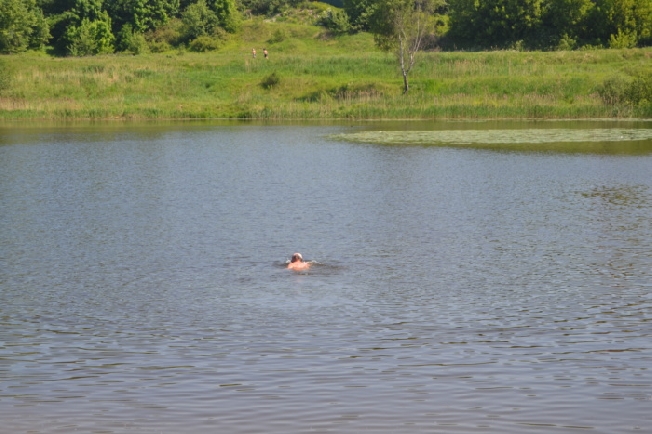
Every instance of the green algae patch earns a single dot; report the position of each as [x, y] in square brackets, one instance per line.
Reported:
[609, 141]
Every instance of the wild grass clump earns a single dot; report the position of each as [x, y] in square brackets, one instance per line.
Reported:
[279, 35]
[6, 75]
[271, 81]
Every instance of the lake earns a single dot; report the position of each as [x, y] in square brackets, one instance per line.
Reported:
[479, 277]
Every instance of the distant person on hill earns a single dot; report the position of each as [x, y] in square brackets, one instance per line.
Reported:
[265, 53]
[253, 52]
[297, 263]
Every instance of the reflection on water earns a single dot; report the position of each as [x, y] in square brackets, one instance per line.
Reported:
[143, 284]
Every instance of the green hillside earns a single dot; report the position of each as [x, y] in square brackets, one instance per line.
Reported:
[312, 74]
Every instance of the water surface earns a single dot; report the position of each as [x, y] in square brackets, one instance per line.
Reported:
[456, 290]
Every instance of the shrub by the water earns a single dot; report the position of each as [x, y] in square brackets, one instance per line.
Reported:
[639, 91]
[618, 90]
[612, 90]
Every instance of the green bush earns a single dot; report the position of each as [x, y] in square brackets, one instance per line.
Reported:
[634, 92]
[639, 91]
[612, 90]
[159, 47]
[130, 41]
[90, 37]
[279, 35]
[337, 21]
[165, 37]
[228, 14]
[198, 20]
[623, 40]
[270, 81]
[566, 43]
[203, 44]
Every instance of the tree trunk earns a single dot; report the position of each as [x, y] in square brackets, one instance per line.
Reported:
[403, 45]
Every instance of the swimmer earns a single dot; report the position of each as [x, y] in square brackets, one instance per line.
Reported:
[297, 263]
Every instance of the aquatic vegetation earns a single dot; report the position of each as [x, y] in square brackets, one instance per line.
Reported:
[464, 137]
[601, 140]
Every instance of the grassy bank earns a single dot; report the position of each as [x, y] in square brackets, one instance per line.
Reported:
[309, 75]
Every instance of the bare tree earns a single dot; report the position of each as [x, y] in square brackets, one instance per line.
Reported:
[400, 26]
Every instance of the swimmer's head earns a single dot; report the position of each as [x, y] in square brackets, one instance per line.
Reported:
[297, 258]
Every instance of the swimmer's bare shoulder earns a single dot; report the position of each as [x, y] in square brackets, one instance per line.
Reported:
[298, 266]
[297, 263]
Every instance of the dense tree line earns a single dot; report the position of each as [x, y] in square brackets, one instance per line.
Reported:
[550, 24]
[528, 24]
[84, 27]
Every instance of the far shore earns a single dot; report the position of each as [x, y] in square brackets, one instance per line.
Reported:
[329, 79]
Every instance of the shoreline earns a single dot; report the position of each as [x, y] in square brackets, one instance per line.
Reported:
[35, 123]
[338, 120]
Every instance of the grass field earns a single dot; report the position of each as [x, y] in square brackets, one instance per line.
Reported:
[309, 75]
